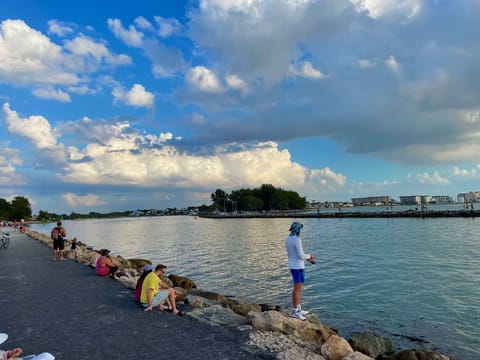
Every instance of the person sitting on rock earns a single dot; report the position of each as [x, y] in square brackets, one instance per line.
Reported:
[105, 266]
[155, 292]
[147, 269]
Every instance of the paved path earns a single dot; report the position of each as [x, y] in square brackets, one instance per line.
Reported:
[62, 307]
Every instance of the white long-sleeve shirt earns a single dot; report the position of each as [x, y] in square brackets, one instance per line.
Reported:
[296, 256]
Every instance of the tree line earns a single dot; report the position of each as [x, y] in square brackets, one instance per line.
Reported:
[264, 198]
[17, 209]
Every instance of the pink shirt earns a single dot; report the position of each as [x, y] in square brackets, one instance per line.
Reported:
[101, 269]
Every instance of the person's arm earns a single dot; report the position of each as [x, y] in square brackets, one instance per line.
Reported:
[300, 252]
[108, 261]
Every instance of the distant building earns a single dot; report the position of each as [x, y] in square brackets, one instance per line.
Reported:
[471, 197]
[372, 200]
[442, 199]
[411, 200]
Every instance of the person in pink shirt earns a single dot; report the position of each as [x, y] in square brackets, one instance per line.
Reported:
[105, 265]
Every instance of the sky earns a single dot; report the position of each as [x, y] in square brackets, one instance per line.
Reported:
[119, 105]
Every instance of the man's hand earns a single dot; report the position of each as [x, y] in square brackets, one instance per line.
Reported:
[148, 308]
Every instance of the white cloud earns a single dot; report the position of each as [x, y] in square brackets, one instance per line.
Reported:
[36, 128]
[234, 82]
[30, 57]
[389, 8]
[167, 27]
[59, 29]
[143, 23]
[306, 69]
[137, 96]
[9, 159]
[366, 63]
[393, 64]
[87, 49]
[466, 173]
[204, 79]
[129, 36]
[473, 117]
[74, 200]
[434, 179]
[326, 179]
[52, 94]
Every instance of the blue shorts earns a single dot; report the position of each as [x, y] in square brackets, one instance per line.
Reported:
[159, 298]
[298, 275]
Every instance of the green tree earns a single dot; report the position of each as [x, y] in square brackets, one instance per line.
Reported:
[21, 208]
[220, 199]
[5, 209]
[44, 215]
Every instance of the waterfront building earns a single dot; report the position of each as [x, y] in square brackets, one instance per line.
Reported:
[442, 199]
[411, 200]
[471, 197]
[372, 200]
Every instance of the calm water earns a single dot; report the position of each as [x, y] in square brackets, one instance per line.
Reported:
[405, 278]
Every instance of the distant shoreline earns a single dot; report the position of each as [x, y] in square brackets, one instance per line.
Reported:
[351, 214]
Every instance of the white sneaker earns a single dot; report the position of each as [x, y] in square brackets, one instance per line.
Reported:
[296, 314]
[303, 312]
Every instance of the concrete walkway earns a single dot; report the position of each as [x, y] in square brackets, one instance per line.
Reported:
[62, 307]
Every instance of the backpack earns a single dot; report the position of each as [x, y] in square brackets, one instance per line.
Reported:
[56, 234]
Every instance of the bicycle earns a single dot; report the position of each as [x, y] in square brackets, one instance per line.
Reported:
[5, 241]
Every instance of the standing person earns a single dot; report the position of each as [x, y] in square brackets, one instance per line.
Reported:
[155, 292]
[296, 262]
[73, 247]
[57, 235]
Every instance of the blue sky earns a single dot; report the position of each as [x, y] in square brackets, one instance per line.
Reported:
[120, 105]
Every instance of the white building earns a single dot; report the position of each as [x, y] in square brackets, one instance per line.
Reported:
[372, 200]
[442, 199]
[471, 197]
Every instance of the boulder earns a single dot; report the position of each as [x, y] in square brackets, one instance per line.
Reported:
[356, 356]
[285, 347]
[183, 282]
[180, 294]
[219, 315]
[240, 307]
[139, 263]
[371, 344]
[412, 354]
[335, 348]
[310, 330]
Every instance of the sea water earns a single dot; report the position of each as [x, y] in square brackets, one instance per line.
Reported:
[412, 279]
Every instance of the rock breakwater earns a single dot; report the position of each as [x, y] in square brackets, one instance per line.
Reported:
[270, 328]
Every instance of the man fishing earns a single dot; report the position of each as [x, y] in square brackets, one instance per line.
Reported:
[296, 261]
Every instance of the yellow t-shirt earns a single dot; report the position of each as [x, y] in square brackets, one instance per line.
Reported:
[152, 281]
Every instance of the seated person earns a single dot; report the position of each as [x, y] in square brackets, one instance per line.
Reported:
[155, 292]
[15, 353]
[147, 269]
[105, 266]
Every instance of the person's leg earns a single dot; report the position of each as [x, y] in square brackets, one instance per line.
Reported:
[61, 246]
[296, 294]
[171, 301]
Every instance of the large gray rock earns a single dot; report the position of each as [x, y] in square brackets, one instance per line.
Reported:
[240, 307]
[183, 282]
[371, 344]
[286, 347]
[218, 315]
[419, 355]
[335, 348]
[310, 330]
[356, 356]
